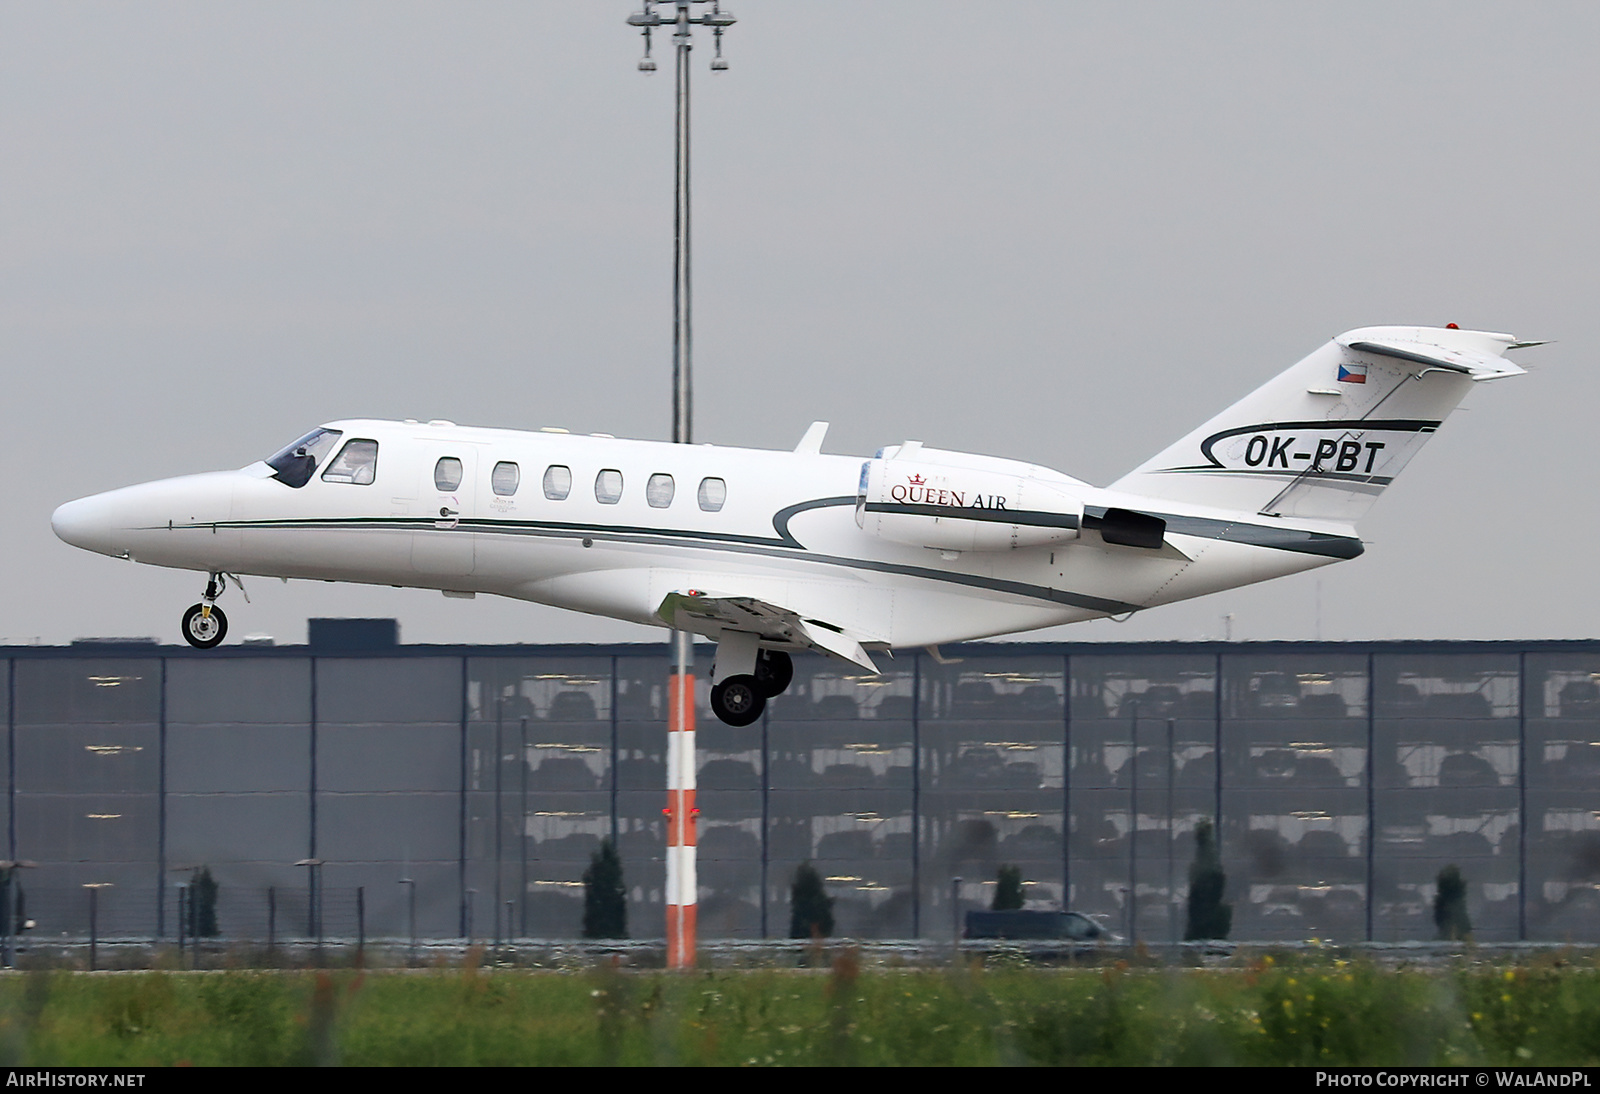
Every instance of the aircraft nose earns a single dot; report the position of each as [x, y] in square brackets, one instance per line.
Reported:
[84, 523]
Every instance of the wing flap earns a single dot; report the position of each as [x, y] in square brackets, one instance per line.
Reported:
[838, 644]
[711, 614]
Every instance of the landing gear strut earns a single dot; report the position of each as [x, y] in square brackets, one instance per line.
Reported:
[204, 624]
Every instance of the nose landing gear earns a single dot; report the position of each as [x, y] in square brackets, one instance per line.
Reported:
[204, 624]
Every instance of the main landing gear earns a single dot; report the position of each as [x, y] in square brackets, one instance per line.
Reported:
[204, 624]
[739, 699]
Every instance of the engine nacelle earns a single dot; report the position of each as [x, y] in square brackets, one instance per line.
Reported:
[952, 508]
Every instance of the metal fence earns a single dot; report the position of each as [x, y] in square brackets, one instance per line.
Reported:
[457, 784]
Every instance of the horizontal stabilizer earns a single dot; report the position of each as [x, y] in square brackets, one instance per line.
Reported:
[1476, 365]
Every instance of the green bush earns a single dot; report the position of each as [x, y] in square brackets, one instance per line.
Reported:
[810, 906]
[1209, 917]
[1007, 889]
[605, 898]
[203, 904]
[1450, 906]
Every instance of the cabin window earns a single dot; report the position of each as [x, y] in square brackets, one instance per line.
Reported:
[658, 491]
[356, 463]
[505, 478]
[446, 474]
[608, 487]
[557, 482]
[295, 464]
[713, 492]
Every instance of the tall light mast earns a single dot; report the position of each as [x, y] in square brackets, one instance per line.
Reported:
[682, 883]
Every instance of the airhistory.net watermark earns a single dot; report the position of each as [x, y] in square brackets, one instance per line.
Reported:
[47, 1078]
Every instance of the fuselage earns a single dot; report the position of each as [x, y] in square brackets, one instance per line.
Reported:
[612, 527]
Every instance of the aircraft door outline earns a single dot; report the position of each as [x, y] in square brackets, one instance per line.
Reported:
[446, 492]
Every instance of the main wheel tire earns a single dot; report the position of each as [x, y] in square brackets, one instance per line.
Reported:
[738, 700]
[774, 672]
[204, 631]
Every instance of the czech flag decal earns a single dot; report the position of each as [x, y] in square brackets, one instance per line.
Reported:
[1352, 374]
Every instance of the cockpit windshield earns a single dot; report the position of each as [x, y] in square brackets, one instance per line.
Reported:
[295, 464]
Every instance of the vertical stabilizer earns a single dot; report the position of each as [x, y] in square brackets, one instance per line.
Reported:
[1321, 440]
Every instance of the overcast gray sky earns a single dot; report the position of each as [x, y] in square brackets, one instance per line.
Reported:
[1062, 232]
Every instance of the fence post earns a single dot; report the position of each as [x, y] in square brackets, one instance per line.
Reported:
[411, 913]
[94, 926]
[5, 911]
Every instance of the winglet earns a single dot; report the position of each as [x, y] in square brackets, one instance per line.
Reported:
[811, 443]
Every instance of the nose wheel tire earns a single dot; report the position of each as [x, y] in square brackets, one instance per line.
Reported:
[738, 700]
[202, 631]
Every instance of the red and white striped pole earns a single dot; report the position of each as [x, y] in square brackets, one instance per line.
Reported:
[681, 813]
[682, 885]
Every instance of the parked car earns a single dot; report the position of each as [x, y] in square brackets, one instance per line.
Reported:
[1072, 926]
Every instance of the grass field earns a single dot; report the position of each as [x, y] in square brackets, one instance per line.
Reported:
[1262, 1011]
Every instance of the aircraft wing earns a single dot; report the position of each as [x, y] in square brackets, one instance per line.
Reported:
[711, 614]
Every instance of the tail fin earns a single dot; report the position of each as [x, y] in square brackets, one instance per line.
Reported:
[1322, 440]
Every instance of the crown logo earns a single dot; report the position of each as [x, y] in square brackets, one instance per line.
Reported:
[916, 480]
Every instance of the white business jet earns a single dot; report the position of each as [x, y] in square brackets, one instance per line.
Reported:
[772, 552]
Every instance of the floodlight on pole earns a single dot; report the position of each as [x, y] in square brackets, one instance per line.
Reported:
[681, 813]
[681, 19]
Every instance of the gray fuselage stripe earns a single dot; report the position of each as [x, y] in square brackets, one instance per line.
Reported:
[1029, 518]
[677, 539]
